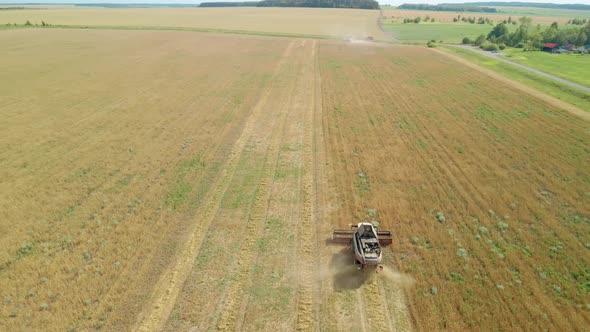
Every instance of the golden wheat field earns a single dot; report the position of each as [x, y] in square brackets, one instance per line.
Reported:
[306, 21]
[188, 181]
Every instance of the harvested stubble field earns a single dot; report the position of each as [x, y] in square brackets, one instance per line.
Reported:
[154, 180]
[400, 14]
[294, 21]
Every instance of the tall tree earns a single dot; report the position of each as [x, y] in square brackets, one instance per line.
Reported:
[499, 30]
[581, 39]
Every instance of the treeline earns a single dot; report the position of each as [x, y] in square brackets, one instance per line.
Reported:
[419, 19]
[447, 8]
[29, 24]
[464, 19]
[356, 4]
[527, 4]
[472, 20]
[531, 37]
[230, 4]
[578, 21]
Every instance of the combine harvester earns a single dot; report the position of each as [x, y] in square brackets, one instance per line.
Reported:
[366, 243]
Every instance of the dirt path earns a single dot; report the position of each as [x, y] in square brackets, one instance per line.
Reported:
[380, 26]
[522, 87]
[171, 282]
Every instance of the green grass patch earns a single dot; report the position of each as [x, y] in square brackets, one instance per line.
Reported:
[181, 187]
[577, 219]
[284, 173]
[405, 124]
[178, 195]
[291, 147]
[456, 277]
[572, 67]
[483, 112]
[423, 32]
[558, 90]
[418, 83]
[362, 183]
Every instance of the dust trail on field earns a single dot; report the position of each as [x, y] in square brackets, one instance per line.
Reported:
[168, 287]
[346, 275]
[373, 289]
[389, 274]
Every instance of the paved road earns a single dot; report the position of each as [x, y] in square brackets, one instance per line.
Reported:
[498, 57]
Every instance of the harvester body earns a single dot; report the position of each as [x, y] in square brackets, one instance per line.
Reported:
[365, 241]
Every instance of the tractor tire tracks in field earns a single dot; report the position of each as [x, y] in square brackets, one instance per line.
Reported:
[232, 315]
[284, 142]
[283, 128]
[308, 242]
[167, 289]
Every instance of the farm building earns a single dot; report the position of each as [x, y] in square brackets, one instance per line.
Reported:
[549, 47]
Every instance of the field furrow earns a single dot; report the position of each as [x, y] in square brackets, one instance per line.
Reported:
[307, 301]
[257, 215]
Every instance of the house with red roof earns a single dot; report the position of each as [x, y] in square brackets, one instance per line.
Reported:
[549, 47]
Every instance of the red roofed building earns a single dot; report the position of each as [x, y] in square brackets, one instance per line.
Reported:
[548, 47]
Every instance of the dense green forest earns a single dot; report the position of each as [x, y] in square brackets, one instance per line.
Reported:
[358, 4]
[525, 4]
[448, 8]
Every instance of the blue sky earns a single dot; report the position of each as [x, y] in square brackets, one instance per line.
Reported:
[392, 2]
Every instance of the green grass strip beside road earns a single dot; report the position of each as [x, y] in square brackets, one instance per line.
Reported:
[571, 67]
[553, 88]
